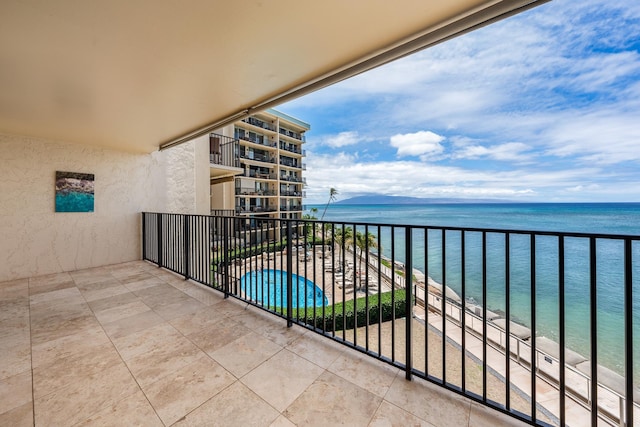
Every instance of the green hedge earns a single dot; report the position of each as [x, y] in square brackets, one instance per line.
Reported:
[354, 310]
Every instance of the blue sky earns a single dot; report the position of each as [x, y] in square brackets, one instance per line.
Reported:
[543, 106]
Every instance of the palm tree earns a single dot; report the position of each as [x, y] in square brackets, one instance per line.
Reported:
[342, 237]
[332, 196]
[364, 243]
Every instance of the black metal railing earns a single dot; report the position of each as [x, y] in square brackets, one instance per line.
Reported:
[259, 123]
[493, 315]
[223, 150]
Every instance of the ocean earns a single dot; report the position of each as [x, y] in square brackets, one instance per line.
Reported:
[595, 218]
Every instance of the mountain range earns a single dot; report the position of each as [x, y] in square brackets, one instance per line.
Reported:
[379, 199]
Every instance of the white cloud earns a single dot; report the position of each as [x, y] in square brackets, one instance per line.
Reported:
[414, 178]
[418, 143]
[511, 151]
[343, 139]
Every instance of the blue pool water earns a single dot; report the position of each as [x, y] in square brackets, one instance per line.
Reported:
[269, 288]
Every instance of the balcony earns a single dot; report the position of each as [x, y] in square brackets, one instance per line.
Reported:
[253, 192]
[223, 151]
[290, 163]
[258, 157]
[292, 208]
[292, 193]
[295, 149]
[243, 210]
[507, 365]
[252, 173]
[263, 142]
[259, 123]
[132, 344]
[291, 134]
[291, 178]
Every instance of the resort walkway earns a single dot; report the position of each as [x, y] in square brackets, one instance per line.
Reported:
[132, 344]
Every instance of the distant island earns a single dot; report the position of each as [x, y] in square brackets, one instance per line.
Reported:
[379, 199]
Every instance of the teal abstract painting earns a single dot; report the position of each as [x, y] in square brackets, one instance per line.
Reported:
[74, 192]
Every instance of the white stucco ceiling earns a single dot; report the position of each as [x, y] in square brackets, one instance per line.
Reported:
[134, 74]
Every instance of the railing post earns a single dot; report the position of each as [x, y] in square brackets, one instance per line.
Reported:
[289, 274]
[144, 235]
[186, 247]
[408, 303]
[159, 240]
[225, 256]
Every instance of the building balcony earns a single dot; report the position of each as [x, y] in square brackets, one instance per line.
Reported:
[294, 149]
[263, 143]
[250, 173]
[254, 193]
[258, 157]
[437, 336]
[290, 178]
[223, 151]
[242, 210]
[259, 123]
[292, 193]
[297, 208]
[291, 134]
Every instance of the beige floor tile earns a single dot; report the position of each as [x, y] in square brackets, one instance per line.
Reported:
[82, 341]
[331, 400]
[108, 291]
[69, 327]
[481, 416]
[65, 296]
[161, 293]
[22, 416]
[13, 321]
[63, 371]
[91, 275]
[129, 325]
[48, 316]
[203, 294]
[282, 421]
[281, 379]
[160, 336]
[151, 366]
[49, 279]
[390, 415]
[78, 401]
[122, 311]
[231, 408]
[204, 318]
[178, 308]
[15, 354]
[224, 332]
[18, 288]
[102, 284]
[142, 282]
[245, 353]
[368, 373]
[133, 410]
[50, 287]
[317, 349]
[15, 391]
[182, 391]
[113, 301]
[429, 402]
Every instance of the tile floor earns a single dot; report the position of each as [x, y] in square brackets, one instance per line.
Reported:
[132, 344]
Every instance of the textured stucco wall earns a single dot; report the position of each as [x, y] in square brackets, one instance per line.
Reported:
[36, 240]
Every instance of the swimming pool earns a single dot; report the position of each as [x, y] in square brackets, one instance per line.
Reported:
[269, 288]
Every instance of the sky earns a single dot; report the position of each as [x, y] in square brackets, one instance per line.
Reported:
[540, 107]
